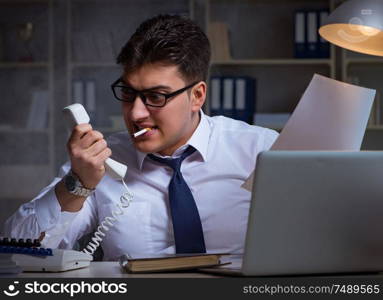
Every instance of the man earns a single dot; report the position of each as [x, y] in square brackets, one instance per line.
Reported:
[193, 205]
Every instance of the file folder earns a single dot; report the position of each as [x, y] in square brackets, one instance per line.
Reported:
[233, 97]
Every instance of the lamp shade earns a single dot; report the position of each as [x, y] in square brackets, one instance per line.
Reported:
[356, 25]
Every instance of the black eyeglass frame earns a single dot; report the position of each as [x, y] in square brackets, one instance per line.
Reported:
[142, 96]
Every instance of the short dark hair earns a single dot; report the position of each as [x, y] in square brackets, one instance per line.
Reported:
[170, 39]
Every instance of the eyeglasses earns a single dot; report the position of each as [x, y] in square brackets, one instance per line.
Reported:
[128, 94]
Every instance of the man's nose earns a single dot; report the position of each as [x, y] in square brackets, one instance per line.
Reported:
[139, 109]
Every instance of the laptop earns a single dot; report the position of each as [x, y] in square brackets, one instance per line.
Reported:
[313, 213]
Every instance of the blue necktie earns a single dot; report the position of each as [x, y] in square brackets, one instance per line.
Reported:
[188, 234]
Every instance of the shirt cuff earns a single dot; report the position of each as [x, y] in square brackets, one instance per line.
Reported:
[48, 211]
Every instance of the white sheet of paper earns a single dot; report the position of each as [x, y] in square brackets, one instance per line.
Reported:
[331, 115]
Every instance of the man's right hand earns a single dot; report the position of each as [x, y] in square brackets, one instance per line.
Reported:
[87, 151]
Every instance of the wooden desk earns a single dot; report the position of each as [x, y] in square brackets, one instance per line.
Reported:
[105, 269]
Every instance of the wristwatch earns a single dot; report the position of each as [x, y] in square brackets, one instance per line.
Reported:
[74, 185]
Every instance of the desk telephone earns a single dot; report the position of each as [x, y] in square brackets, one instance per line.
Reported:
[53, 260]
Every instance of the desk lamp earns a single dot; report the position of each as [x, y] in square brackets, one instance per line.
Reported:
[356, 25]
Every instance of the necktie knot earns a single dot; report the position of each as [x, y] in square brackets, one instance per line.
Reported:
[174, 163]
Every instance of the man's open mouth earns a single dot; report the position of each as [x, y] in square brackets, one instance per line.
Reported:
[139, 127]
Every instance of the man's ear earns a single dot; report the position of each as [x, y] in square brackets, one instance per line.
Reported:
[198, 96]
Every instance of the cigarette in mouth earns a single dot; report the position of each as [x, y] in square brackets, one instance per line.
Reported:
[141, 132]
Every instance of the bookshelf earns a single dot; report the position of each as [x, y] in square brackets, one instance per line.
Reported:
[25, 70]
[26, 81]
[261, 46]
[266, 54]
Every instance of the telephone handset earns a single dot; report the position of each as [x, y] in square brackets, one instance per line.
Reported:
[76, 114]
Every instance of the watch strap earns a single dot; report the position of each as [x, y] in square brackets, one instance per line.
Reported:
[79, 189]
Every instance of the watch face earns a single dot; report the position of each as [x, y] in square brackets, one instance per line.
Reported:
[70, 183]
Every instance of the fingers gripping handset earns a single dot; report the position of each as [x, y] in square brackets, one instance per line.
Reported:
[76, 114]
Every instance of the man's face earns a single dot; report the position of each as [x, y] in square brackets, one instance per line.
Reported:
[172, 124]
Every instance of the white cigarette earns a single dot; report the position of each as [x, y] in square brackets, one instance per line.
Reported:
[141, 132]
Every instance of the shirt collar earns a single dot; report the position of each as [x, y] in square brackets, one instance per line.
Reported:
[199, 140]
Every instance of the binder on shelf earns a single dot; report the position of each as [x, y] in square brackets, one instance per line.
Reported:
[38, 113]
[240, 93]
[233, 97]
[245, 99]
[228, 97]
[307, 41]
[78, 92]
[215, 96]
[90, 98]
[312, 35]
[324, 46]
[300, 35]
[84, 92]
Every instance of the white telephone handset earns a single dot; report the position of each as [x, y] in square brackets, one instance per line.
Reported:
[76, 114]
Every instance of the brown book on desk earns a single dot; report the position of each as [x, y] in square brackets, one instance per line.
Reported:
[166, 263]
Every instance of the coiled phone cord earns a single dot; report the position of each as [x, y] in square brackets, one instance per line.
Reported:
[108, 222]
